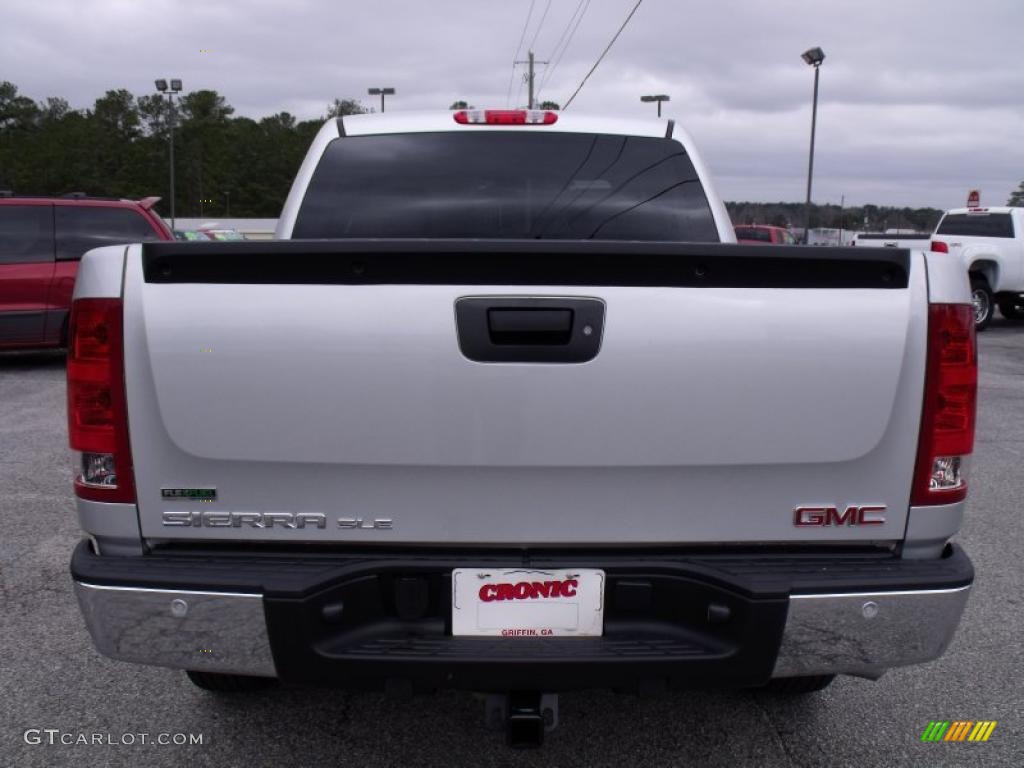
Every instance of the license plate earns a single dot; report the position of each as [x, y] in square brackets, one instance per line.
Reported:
[519, 602]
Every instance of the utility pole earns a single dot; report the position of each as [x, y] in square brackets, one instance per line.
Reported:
[529, 76]
[530, 101]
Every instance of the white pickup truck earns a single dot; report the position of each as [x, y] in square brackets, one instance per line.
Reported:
[505, 410]
[989, 242]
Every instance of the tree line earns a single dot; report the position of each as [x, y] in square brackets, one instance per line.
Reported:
[862, 218]
[238, 166]
[119, 148]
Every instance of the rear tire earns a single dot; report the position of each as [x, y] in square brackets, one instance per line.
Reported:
[983, 301]
[221, 683]
[1012, 308]
[796, 686]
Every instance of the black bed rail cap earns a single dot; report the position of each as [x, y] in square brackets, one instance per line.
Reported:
[524, 262]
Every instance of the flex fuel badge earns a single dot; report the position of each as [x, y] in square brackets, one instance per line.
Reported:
[188, 494]
[958, 730]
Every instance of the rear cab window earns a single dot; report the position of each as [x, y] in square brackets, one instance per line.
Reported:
[81, 228]
[977, 225]
[506, 184]
[26, 234]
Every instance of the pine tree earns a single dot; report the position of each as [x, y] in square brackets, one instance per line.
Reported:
[1017, 198]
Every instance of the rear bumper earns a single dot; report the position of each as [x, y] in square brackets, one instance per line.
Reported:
[376, 621]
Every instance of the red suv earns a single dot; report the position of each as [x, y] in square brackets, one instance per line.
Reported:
[762, 234]
[41, 242]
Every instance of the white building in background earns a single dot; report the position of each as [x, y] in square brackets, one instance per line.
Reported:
[250, 229]
[830, 236]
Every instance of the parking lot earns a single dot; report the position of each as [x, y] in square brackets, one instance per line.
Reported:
[51, 677]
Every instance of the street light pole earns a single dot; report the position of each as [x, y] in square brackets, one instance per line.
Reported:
[813, 57]
[170, 91]
[658, 98]
[382, 92]
[842, 206]
[170, 132]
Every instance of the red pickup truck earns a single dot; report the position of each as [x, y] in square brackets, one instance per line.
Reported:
[41, 242]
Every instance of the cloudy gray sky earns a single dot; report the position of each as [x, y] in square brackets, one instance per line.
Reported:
[921, 100]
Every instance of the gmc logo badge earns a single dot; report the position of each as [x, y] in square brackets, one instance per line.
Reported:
[806, 517]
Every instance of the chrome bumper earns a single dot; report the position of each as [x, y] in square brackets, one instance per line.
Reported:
[208, 631]
[859, 634]
[866, 633]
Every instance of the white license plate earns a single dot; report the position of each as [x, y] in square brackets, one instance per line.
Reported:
[522, 602]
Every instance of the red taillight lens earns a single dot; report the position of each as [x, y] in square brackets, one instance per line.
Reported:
[939, 247]
[950, 398]
[97, 414]
[505, 117]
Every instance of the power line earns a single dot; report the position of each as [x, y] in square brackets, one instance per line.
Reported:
[522, 36]
[559, 50]
[557, 55]
[543, 16]
[603, 54]
[568, 24]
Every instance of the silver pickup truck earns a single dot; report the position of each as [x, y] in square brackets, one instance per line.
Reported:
[506, 410]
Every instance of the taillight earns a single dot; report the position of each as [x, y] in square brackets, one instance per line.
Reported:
[950, 396]
[97, 414]
[505, 117]
[939, 247]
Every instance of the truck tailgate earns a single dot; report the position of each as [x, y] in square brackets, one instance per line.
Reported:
[730, 386]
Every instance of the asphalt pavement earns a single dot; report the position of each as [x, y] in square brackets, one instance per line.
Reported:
[52, 680]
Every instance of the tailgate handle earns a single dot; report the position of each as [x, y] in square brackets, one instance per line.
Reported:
[529, 329]
[529, 326]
